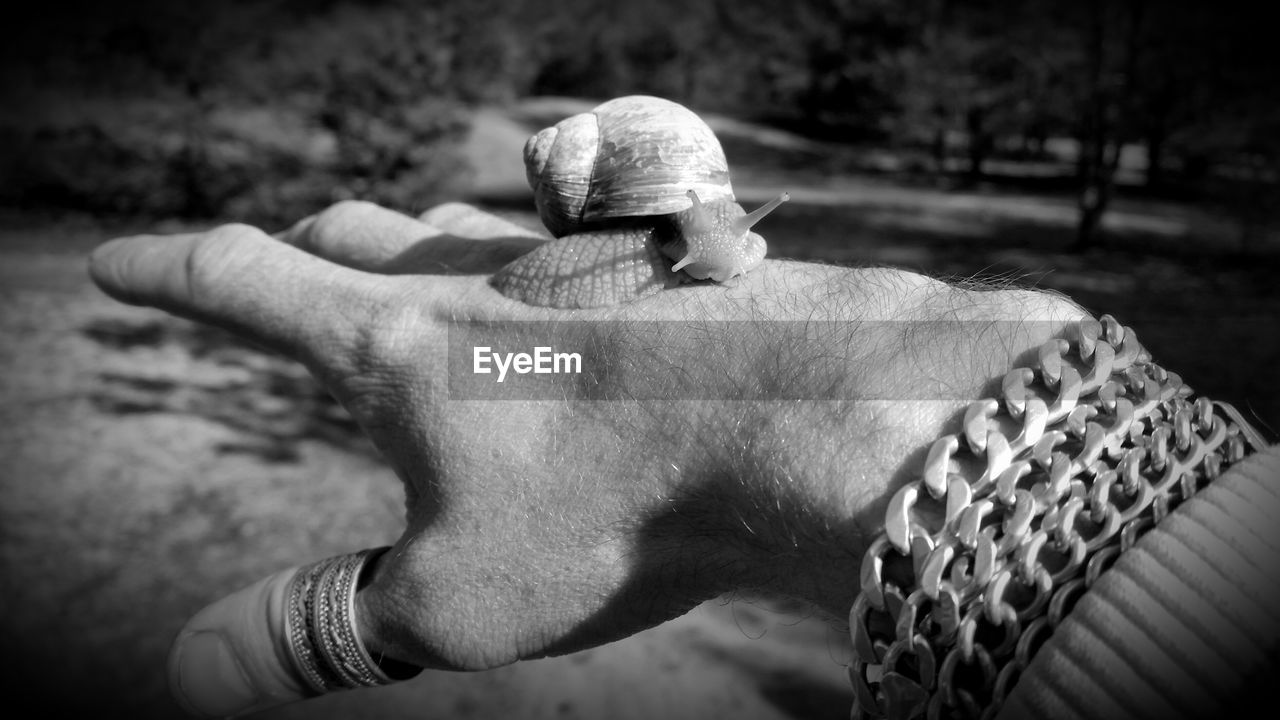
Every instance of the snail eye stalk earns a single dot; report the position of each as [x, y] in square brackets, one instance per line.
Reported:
[701, 221]
[744, 223]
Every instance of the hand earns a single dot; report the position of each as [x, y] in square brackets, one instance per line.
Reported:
[539, 526]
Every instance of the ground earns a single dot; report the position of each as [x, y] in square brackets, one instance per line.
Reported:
[150, 465]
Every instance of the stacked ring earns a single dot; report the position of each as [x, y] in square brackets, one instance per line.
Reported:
[322, 636]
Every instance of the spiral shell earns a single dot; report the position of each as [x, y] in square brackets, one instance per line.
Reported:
[637, 192]
[629, 157]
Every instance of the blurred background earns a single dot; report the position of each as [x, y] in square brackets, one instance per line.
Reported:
[1126, 154]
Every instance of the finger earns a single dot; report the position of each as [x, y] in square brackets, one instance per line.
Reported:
[239, 278]
[290, 636]
[368, 237]
[466, 220]
[359, 234]
[225, 660]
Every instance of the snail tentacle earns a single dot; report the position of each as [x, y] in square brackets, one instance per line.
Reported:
[718, 242]
[748, 221]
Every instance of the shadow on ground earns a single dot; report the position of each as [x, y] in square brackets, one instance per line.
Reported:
[270, 403]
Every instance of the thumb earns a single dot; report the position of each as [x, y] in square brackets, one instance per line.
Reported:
[228, 659]
[285, 638]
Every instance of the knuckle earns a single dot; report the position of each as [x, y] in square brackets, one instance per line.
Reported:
[447, 212]
[343, 215]
[387, 330]
[217, 257]
[380, 355]
[330, 228]
[349, 207]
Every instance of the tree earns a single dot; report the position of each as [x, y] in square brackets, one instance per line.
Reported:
[79, 69]
[1111, 61]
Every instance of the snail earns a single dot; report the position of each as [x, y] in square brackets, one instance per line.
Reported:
[637, 194]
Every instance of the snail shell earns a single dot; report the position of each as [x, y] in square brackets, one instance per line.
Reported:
[627, 188]
[629, 157]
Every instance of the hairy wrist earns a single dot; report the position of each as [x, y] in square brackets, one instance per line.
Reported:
[843, 405]
[753, 437]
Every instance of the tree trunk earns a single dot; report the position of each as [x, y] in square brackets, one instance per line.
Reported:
[1156, 160]
[193, 159]
[938, 149]
[1103, 137]
[1091, 200]
[1090, 224]
[975, 122]
[1095, 197]
[1155, 157]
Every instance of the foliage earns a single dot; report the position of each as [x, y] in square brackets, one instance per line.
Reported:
[381, 84]
[372, 98]
[264, 110]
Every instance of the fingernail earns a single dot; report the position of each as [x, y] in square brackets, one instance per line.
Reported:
[103, 263]
[110, 246]
[208, 679]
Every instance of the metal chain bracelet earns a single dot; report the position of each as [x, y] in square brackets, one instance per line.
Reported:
[1014, 518]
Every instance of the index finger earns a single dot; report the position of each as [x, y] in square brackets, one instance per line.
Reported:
[239, 278]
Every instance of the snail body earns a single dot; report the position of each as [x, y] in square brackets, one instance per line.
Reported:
[590, 269]
[637, 193]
